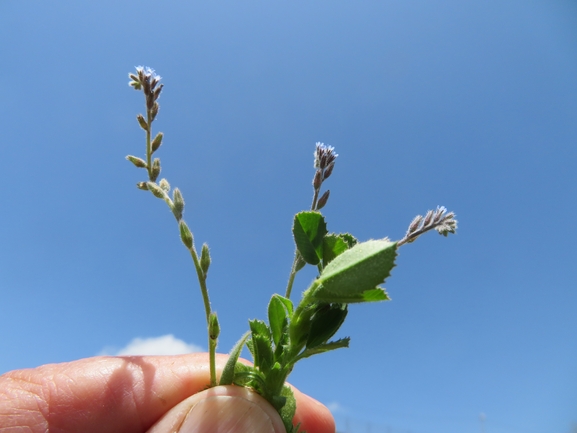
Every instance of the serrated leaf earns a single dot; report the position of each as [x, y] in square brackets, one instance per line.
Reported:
[287, 412]
[258, 327]
[372, 295]
[361, 268]
[350, 240]
[333, 345]
[227, 376]
[262, 345]
[263, 350]
[277, 318]
[325, 323]
[309, 229]
[333, 245]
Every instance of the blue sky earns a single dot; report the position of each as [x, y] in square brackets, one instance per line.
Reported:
[470, 105]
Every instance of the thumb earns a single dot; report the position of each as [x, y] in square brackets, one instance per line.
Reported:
[222, 409]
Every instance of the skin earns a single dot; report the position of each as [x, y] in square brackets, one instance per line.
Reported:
[117, 394]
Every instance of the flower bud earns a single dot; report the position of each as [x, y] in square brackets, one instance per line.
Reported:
[156, 142]
[317, 180]
[329, 170]
[140, 163]
[205, 259]
[142, 122]
[323, 200]
[178, 201]
[142, 186]
[185, 234]
[164, 185]
[154, 111]
[156, 190]
[155, 169]
[213, 326]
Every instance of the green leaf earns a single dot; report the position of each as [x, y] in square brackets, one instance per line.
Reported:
[287, 412]
[227, 376]
[275, 379]
[325, 323]
[287, 303]
[262, 345]
[333, 345]
[349, 239]
[309, 229]
[277, 318]
[372, 295]
[250, 347]
[362, 268]
[258, 327]
[333, 245]
[264, 356]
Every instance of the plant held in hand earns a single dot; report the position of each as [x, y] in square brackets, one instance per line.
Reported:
[349, 272]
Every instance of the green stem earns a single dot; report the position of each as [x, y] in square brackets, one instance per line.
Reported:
[315, 198]
[148, 143]
[297, 255]
[206, 301]
[292, 276]
[202, 282]
[212, 359]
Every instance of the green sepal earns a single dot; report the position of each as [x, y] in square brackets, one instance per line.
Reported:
[309, 229]
[361, 268]
[325, 323]
[227, 376]
[287, 412]
[373, 295]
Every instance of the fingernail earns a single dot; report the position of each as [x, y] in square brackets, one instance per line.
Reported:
[227, 414]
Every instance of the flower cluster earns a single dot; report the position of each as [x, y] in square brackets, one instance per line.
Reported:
[325, 158]
[147, 80]
[439, 220]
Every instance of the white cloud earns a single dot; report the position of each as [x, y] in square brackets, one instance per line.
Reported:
[164, 345]
[335, 407]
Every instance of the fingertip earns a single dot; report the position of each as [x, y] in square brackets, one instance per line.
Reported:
[313, 416]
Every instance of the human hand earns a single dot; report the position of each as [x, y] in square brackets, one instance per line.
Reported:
[152, 394]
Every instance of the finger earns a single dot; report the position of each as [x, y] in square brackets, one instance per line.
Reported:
[120, 394]
[226, 409]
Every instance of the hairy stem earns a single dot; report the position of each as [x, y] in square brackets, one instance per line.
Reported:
[148, 142]
[204, 291]
[315, 198]
[292, 276]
